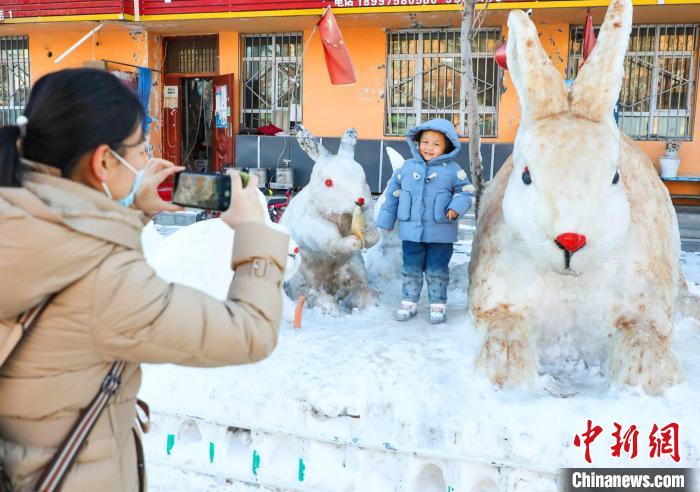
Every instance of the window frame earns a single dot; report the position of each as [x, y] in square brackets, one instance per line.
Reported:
[418, 109]
[276, 61]
[649, 58]
[15, 57]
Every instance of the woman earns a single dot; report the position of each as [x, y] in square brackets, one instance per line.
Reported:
[75, 190]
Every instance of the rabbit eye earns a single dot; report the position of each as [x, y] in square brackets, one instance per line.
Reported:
[616, 178]
[526, 176]
[329, 182]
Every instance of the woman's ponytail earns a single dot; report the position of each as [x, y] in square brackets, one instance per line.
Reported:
[10, 167]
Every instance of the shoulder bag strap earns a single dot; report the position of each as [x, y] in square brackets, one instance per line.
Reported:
[62, 461]
[24, 323]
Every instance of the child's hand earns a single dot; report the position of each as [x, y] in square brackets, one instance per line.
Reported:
[451, 214]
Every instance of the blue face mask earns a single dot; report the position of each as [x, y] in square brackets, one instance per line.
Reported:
[128, 199]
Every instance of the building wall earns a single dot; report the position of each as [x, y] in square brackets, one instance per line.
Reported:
[327, 110]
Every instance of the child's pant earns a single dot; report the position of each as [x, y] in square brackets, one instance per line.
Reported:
[431, 258]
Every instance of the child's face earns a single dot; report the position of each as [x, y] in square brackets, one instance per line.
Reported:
[431, 145]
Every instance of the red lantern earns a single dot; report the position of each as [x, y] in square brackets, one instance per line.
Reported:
[501, 58]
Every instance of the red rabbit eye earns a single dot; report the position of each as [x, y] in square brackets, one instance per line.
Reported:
[296, 250]
[360, 201]
[329, 182]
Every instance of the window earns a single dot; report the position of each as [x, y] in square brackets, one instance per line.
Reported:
[658, 90]
[271, 80]
[423, 79]
[14, 77]
[192, 54]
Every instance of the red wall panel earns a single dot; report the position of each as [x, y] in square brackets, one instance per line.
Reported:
[40, 8]
[152, 7]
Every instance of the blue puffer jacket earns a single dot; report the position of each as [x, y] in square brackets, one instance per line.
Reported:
[419, 193]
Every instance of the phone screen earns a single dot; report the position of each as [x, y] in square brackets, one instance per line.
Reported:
[201, 190]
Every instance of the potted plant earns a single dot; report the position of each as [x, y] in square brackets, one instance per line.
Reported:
[670, 161]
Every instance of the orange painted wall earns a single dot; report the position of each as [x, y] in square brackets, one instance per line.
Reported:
[329, 110]
[229, 56]
[121, 46]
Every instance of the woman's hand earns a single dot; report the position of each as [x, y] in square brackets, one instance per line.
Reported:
[245, 202]
[451, 214]
[147, 199]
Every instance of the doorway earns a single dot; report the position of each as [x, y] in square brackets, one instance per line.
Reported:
[197, 136]
[197, 105]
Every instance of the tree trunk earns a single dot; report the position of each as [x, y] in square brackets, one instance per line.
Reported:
[476, 168]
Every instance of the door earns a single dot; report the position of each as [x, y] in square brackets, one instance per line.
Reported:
[223, 121]
[172, 119]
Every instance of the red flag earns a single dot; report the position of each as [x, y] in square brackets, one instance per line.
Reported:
[588, 36]
[338, 60]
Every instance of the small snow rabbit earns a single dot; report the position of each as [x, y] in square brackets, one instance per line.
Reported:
[427, 195]
[332, 275]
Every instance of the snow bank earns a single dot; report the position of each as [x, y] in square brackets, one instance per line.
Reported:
[366, 403]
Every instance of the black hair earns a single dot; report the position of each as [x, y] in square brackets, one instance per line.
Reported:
[69, 113]
[449, 146]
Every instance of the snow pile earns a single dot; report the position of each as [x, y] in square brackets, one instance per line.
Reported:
[363, 402]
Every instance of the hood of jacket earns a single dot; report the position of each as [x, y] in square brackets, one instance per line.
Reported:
[439, 125]
[53, 231]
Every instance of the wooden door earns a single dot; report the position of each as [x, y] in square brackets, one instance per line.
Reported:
[223, 121]
[172, 119]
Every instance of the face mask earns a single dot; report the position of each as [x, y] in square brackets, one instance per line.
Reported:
[128, 199]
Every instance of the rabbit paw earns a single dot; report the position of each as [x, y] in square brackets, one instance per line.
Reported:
[506, 359]
[371, 236]
[362, 297]
[647, 360]
[327, 304]
[352, 243]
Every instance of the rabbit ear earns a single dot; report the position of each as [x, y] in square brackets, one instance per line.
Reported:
[347, 143]
[309, 144]
[597, 87]
[539, 84]
[395, 158]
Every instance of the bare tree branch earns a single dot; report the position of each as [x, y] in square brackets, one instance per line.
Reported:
[475, 165]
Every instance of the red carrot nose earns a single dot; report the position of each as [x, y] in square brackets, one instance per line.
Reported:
[360, 201]
[570, 241]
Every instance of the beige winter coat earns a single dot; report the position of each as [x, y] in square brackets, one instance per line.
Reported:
[57, 235]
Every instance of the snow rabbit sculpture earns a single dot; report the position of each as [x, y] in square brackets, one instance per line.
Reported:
[577, 243]
[321, 217]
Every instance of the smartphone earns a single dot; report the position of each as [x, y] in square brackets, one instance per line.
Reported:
[204, 190]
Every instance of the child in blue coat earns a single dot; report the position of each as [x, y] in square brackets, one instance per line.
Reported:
[427, 195]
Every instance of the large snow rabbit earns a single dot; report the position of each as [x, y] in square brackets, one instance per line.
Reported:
[332, 275]
[577, 240]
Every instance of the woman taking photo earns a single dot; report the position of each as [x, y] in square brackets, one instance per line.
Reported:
[75, 191]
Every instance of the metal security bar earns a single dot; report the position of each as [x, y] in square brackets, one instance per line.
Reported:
[14, 77]
[192, 54]
[271, 80]
[658, 89]
[424, 79]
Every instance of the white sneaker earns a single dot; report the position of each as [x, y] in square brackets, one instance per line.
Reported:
[407, 311]
[437, 313]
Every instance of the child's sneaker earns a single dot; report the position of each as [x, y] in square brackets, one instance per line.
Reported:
[437, 313]
[407, 311]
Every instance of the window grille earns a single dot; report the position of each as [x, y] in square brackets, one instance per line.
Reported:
[658, 89]
[14, 77]
[271, 80]
[192, 54]
[423, 79]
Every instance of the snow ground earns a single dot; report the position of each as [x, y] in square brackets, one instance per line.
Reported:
[365, 403]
